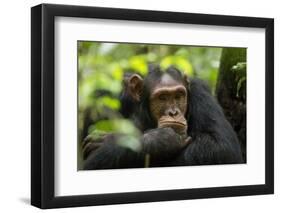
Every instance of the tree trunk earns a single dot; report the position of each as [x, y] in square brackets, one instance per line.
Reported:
[231, 91]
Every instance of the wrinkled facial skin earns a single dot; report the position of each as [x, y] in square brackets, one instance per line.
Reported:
[168, 104]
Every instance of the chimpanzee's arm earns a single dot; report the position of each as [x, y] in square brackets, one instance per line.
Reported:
[206, 149]
[213, 138]
[157, 146]
[110, 155]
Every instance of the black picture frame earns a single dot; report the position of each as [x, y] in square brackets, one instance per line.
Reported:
[43, 102]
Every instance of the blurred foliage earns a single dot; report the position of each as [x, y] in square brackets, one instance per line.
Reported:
[124, 127]
[101, 67]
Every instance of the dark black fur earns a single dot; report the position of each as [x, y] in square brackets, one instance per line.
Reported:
[213, 139]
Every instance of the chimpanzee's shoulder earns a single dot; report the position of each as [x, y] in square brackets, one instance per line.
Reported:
[197, 84]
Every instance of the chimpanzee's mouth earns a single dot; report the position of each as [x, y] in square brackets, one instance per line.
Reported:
[172, 123]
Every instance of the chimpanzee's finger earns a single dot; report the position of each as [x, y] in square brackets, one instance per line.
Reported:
[186, 141]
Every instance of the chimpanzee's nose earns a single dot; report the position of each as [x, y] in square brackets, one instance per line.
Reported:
[173, 112]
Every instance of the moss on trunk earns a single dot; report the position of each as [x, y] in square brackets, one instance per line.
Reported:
[231, 90]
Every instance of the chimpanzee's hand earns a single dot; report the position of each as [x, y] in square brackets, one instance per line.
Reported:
[163, 143]
[91, 143]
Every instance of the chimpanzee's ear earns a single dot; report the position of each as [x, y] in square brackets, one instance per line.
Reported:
[187, 81]
[135, 85]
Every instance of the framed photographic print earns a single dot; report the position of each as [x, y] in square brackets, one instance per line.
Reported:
[139, 106]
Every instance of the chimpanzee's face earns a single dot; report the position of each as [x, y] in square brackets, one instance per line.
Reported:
[167, 100]
[168, 103]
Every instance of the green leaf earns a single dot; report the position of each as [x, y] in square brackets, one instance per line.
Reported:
[184, 65]
[109, 102]
[166, 62]
[129, 133]
[117, 72]
[123, 126]
[139, 64]
[129, 141]
[240, 69]
[179, 62]
[95, 134]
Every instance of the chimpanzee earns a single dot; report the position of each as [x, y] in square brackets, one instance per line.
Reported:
[181, 122]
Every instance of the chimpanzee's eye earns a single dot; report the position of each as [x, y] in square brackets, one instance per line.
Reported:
[162, 97]
[179, 95]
